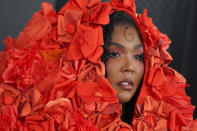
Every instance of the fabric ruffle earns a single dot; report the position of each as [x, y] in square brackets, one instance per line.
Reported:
[52, 77]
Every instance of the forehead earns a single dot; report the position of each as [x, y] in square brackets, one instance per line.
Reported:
[126, 35]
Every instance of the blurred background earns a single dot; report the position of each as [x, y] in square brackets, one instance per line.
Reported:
[177, 18]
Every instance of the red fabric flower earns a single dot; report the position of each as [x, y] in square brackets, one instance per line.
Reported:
[52, 74]
[99, 12]
[151, 117]
[19, 58]
[79, 123]
[71, 69]
[25, 67]
[92, 71]
[85, 44]
[59, 111]
[67, 24]
[91, 92]
[112, 122]
[153, 37]
[161, 79]
[8, 94]
[39, 26]
[50, 41]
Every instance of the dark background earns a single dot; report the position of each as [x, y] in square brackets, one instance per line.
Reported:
[177, 18]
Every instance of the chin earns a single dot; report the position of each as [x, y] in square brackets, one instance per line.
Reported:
[124, 97]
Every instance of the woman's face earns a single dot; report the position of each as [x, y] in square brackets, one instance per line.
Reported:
[125, 66]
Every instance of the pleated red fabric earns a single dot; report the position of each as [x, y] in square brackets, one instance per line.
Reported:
[52, 77]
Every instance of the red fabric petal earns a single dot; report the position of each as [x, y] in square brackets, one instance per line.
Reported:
[99, 12]
[86, 49]
[73, 16]
[37, 122]
[96, 54]
[48, 11]
[91, 36]
[175, 121]
[130, 4]
[53, 74]
[92, 72]
[159, 78]
[74, 52]
[74, 5]
[112, 108]
[86, 91]
[36, 29]
[72, 69]
[109, 94]
[26, 110]
[67, 24]
[89, 45]
[156, 77]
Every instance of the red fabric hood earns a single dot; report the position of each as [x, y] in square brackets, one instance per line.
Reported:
[52, 76]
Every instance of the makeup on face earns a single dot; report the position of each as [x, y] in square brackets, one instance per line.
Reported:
[125, 66]
[117, 50]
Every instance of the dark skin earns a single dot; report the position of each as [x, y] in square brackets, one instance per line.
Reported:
[125, 66]
[129, 36]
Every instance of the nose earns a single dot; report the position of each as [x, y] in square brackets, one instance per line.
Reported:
[127, 66]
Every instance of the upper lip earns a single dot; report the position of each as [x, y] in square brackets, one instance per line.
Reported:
[129, 81]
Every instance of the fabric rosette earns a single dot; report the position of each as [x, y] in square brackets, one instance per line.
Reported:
[52, 76]
[151, 116]
[86, 43]
[58, 111]
[156, 115]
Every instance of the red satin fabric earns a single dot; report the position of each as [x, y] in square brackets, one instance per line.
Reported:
[52, 77]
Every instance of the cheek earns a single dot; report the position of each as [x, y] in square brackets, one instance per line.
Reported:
[109, 66]
[140, 69]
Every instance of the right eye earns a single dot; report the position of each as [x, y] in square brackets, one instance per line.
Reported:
[113, 55]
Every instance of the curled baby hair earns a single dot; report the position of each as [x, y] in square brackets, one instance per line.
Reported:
[118, 18]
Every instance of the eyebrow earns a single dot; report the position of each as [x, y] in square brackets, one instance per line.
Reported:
[116, 44]
[139, 46]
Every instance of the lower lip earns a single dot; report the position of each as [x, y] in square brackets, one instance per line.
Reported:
[126, 87]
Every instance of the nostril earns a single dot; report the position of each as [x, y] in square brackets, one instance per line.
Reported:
[127, 70]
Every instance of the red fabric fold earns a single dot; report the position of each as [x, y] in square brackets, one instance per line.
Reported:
[52, 77]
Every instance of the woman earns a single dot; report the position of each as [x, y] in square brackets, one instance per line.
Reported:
[124, 60]
[52, 76]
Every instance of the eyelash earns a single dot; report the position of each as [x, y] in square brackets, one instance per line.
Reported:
[113, 54]
[139, 57]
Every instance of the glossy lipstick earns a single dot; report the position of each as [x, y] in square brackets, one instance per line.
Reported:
[126, 84]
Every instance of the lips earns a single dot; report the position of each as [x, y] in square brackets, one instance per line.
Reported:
[126, 84]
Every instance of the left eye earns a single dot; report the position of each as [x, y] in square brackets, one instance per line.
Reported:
[113, 55]
[139, 57]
